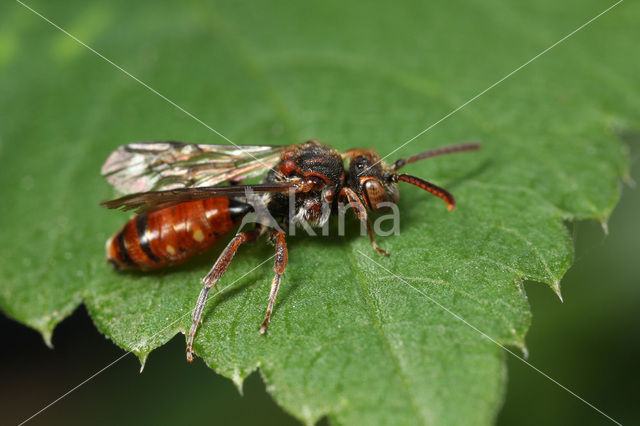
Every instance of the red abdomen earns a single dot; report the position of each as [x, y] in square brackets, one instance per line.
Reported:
[175, 234]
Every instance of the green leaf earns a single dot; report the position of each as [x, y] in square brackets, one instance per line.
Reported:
[348, 339]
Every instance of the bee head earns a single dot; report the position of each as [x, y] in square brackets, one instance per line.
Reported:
[371, 181]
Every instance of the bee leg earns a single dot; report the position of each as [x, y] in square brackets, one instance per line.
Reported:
[278, 237]
[373, 241]
[211, 279]
[361, 212]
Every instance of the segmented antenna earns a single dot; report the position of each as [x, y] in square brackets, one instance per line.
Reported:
[436, 152]
[429, 187]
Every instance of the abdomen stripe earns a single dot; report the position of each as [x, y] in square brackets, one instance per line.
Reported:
[141, 227]
[123, 252]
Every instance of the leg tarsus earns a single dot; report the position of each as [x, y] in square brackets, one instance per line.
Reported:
[275, 285]
[373, 241]
[197, 318]
[279, 265]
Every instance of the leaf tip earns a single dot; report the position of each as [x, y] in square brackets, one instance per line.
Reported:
[523, 349]
[45, 326]
[308, 416]
[556, 289]
[628, 180]
[46, 336]
[142, 357]
[238, 380]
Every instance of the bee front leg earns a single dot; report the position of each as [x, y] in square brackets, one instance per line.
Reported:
[278, 237]
[361, 212]
[211, 280]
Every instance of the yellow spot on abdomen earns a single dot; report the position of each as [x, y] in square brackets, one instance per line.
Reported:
[198, 235]
[170, 249]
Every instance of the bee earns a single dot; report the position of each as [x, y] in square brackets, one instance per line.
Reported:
[188, 196]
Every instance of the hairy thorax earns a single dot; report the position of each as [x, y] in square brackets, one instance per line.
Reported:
[320, 170]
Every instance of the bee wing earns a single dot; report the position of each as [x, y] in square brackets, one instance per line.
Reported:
[159, 166]
[156, 200]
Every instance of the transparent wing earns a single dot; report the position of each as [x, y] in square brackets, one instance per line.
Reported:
[156, 200]
[159, 166]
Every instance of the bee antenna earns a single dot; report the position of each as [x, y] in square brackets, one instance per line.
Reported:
[427, 186]
[435, 152]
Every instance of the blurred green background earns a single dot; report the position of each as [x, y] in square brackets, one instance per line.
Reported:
[588, 343]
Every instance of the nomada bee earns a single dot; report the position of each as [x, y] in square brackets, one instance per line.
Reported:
[183, 209]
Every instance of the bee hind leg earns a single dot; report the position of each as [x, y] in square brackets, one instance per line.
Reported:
[211, 280]
[278, 237]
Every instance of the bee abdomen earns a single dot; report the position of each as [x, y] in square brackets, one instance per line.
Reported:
[173, 235]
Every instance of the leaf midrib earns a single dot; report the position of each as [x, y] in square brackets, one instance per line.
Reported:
[362, 288]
